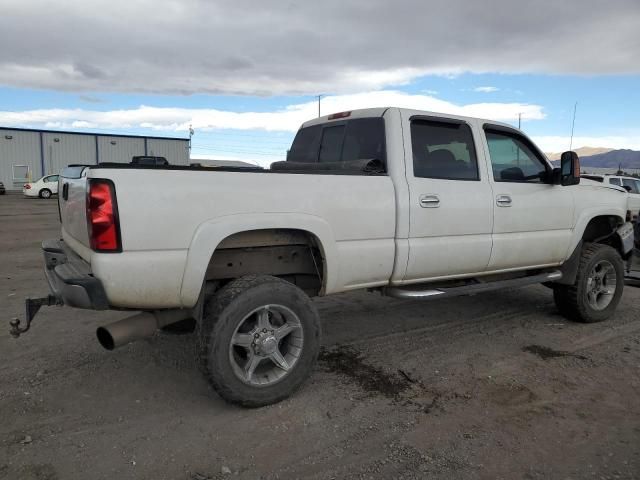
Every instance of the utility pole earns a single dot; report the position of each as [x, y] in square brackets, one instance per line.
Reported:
[573, 125]
[191, 132]
[319, 97]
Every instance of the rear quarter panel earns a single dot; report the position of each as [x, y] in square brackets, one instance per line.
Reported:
[172, 221]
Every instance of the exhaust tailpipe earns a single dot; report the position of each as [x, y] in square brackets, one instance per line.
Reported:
[141, 325]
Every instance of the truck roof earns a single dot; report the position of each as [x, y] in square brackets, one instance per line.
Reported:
[380, 111]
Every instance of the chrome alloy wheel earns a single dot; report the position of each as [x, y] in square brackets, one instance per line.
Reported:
[266, 345]
[601, 285]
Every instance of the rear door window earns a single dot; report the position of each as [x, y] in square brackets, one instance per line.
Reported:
[615, 181]
[443, 150]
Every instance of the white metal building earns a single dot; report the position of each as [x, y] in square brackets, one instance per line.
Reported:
[28, 154]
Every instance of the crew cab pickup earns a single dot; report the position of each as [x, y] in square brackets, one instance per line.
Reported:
[407, 203]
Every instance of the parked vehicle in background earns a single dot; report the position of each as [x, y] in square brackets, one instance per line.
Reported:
[630, 184]
[43, 188]
[406, 203]
[2, 189]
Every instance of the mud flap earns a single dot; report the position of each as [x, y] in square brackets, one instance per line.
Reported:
[632, 272]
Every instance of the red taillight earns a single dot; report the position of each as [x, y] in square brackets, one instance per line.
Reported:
[27, 186]
[102, 217]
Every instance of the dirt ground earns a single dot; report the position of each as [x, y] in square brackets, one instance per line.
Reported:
[495, 386]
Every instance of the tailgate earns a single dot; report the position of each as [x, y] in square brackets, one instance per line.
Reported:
[72, 200]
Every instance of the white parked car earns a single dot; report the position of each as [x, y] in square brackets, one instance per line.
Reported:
[631, 184]
[43, 188]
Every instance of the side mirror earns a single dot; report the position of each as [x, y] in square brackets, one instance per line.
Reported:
[569, 169]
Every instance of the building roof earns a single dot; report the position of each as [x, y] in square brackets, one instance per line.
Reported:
[38, 130]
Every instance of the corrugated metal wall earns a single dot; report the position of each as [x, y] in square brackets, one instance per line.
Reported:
[62, 149]
[119, 149]
[22, 158]
[176, 152]
[19, 157]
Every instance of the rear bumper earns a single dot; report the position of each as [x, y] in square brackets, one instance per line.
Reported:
[70, 278]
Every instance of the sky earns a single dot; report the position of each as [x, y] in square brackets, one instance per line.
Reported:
[246, 73]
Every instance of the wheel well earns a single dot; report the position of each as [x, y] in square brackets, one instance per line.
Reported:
[291, 254]
[602, 230]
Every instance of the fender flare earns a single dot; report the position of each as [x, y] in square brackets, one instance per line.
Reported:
[570, 267]
[586, 216]
[209, 234]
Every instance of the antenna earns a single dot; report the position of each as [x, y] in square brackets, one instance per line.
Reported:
[519, 119]
[573, 125]
[319, 97]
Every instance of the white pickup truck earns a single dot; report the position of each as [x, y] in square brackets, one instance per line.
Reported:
[407, 203]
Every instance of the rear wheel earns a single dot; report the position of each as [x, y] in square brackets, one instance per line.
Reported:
[598, 287]
[45, 193]
[258, 340]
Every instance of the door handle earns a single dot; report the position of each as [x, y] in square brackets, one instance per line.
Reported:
[429, 201]
[503, 200]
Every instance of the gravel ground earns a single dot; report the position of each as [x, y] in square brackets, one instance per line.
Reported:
[491, 386]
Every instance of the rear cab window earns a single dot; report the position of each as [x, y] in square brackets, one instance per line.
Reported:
[343, 141]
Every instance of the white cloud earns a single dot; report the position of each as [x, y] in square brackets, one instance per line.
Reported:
[486, 89]
[285, 119]
[263, 48]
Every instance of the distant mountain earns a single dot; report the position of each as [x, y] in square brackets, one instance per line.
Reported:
[582, 152]
[626, 158]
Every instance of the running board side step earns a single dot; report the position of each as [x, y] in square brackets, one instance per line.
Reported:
[442, 292]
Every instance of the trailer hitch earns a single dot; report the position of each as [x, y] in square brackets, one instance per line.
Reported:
[32, 306]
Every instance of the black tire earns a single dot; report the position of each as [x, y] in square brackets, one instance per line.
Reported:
[45, 193]
[227, 310]
[572, 300]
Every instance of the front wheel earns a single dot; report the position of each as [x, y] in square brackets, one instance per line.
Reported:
[258, 340]
[45, 193]
[598, 287]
